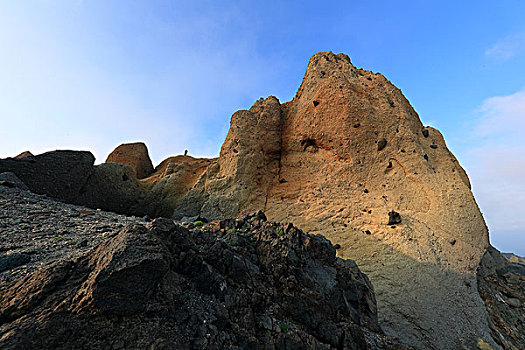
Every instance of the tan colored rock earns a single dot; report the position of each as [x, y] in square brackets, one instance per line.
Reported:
[336, 160]
[135, 155]
[25, 154]
[247, 166]
[173, 178]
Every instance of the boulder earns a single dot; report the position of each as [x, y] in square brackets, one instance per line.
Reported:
[135, 155]
[112, 187]
[58, 174]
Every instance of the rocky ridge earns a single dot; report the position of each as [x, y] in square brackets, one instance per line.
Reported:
[88, 282]
[347, 158]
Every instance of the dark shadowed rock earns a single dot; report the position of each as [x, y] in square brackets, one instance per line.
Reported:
[394, 218]
[10, 261]
[10, 179]
[261, 285]
[111, 186]
[501, 284]
[59, 174]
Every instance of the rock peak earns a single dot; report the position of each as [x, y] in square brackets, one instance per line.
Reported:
[135, 155]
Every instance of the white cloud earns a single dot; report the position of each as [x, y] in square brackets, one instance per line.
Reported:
[507, 48]
[496, 166]
[502, 116]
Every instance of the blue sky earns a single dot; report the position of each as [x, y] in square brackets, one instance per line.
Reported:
[93, 74]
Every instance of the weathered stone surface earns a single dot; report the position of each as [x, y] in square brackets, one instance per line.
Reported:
[59, 174]
[247, 166]
[135, 155]
[171, 181]
[10, 261]
[244, 283]
[10, 179]
[113, 187]
[346, 151]
[501, 284]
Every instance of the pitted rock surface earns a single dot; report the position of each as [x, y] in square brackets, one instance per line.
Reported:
[238, 284]
[348, 150]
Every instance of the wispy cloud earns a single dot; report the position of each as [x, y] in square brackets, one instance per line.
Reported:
[502, 116]
[496, 164]
[507, 47]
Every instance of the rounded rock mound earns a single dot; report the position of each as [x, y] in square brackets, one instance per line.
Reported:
[135, 155]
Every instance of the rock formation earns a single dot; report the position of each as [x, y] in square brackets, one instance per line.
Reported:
[113, 187]
[10, 179]
[344, 153]
[347, 158]
[59, 174]
[170, 182]
[135, 155]
[501, 284]
[234, 284]
[25, 154]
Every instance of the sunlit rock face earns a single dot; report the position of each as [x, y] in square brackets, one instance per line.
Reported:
[135, 155]
[345, 157]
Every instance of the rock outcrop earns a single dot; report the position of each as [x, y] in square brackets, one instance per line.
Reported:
[113, 187]
[170, 182]
[248, 164]
[135, 155]
[348, 150]
[501, 284]
[59, 174]
[347, 158]
[10, 179]
[234, 284]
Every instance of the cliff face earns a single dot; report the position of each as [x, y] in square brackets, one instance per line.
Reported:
[348, 158]
[343, 154]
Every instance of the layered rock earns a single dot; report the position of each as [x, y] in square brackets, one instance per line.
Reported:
[135, 155]
[344, 153]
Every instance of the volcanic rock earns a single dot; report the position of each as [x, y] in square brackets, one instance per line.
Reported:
[59, 174]
[170, 182]
[394, 218]
[361, 133]
[10, 179]
[501, 284]
[261, 285]
[135, 155]
[249, 163]
[113, 187]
